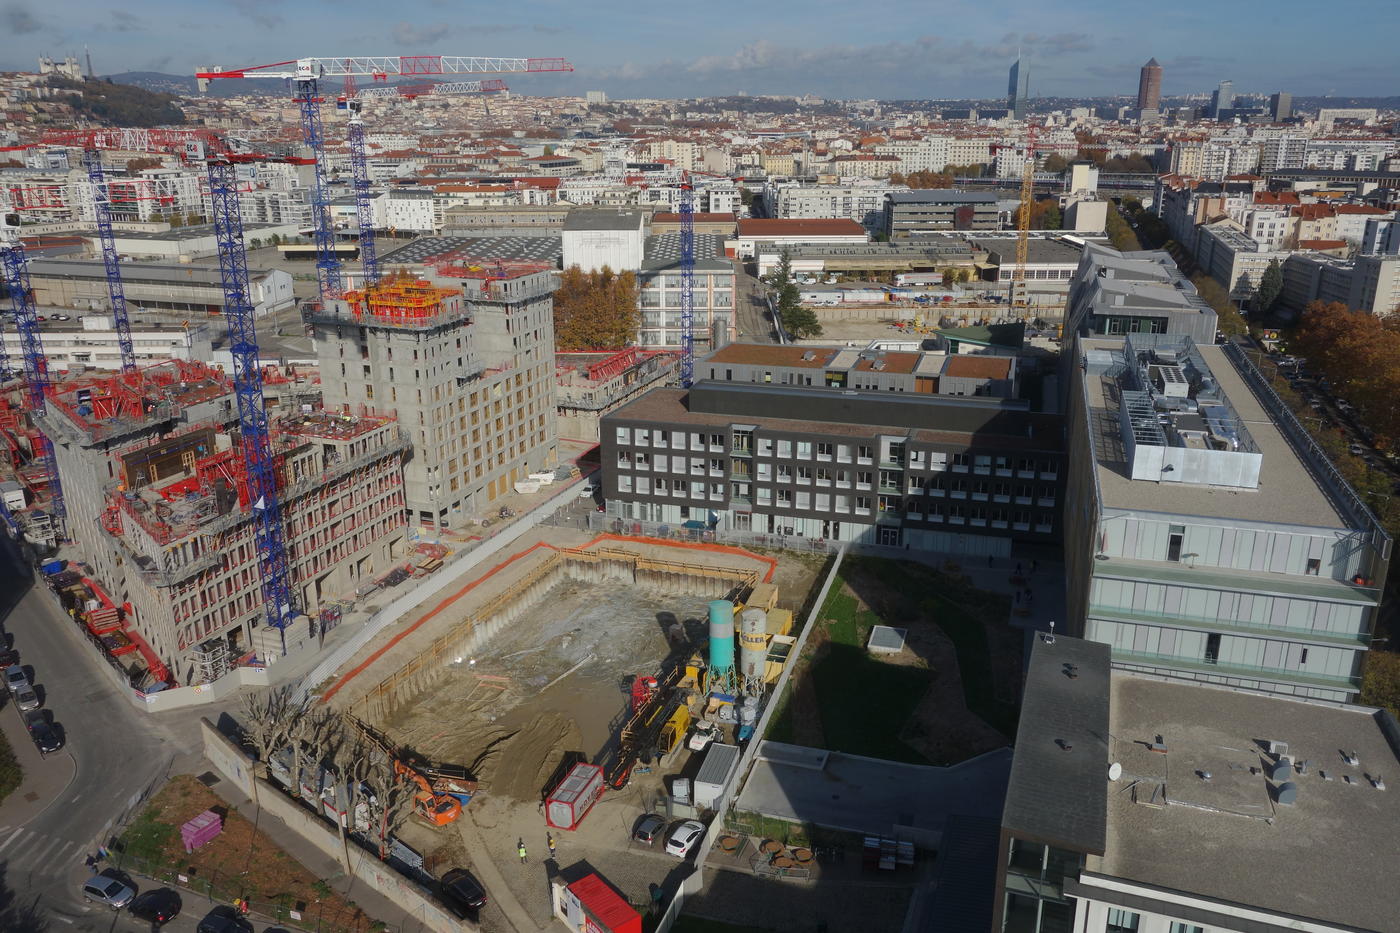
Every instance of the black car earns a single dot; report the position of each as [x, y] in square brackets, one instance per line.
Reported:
[159, 906]
[462, 893]
[224, 919]
[45, 734]
[8, 656]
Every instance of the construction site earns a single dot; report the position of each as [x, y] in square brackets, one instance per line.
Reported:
[589, 385]
[602, 660]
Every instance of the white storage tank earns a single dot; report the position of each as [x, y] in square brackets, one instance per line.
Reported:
[753, 648]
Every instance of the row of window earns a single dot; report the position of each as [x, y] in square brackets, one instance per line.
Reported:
[804, 474]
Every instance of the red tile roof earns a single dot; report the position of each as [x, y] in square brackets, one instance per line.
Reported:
[1314, 211]
[1358, 209]
[1322, 244]
[700, 217]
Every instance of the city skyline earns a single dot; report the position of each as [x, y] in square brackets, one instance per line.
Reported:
[625, 51]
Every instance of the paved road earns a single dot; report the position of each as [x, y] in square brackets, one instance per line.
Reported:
[113, 753]
[751, 310]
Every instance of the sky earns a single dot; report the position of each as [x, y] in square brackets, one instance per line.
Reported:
[891, 49]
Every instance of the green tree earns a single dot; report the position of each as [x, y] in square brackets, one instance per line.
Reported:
[1055, 162]
[1270, 285]
[798, 321]
[1380, 680]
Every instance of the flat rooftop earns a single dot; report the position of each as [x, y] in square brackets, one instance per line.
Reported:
[1330, 856]
[1288, 492]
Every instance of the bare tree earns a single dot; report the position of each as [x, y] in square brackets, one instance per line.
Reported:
[353, 760]
[266, 725]
[391, 799]
[310, 730]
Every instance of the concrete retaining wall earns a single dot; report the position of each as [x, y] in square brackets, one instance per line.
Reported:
[473, 641]
[234, 764]
[450, 575]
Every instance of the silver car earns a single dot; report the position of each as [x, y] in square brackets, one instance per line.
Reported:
[15, 678]
[26, 699]
[111, 888]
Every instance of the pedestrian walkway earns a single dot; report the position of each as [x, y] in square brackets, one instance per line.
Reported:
[23, 850]
[492, 879]
[46, 777]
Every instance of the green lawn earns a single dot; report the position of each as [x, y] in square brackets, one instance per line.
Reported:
[11, 774]
[863, 702]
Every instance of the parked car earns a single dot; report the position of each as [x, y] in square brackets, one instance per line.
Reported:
[224, 919]
[111, 887]
[587, 491]
[649, 827]
[705, 733]
[8, 656]
[684, 835]
[157, 907]
[1356, 450]
[15, 678]
[47, 737]
[26, 699]
[462, 893]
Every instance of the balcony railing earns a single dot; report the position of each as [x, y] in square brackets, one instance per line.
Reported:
[1221, 669]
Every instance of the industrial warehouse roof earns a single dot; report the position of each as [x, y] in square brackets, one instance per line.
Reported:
[942, 196]
[768, 227]
[1059, 777]
[603, 218]
[1329, 857]
[1046, 250]
[663, 251]
[428, 249]
[132, 272]
[178, 234]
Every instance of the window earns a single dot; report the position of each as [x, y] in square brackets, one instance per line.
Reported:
[643, 437]
[1212, 649]
[765, 447]
[1175, 535]
[624, 435]
[785, 497]
[862, 505]
[804, 475]
[662, 463]
[1314, 565]
[843, 453]
[784, 448]
[716, 441]
[1121, 921]
[825, 451]
[960, 462]
[804, 450]
[804, 500]
[624, 484]
[865, 454]
[1179, 927]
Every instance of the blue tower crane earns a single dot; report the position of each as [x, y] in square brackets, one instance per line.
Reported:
[36, 364]
[248, 389]
[328, 271]
[116, 292]
[364, 207]
[687, 280]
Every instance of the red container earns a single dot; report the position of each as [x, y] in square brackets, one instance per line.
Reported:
[569, 803]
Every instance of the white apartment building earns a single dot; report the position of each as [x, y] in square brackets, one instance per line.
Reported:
[970, 151]
[405, 210]
[863, 202]
[929, 154]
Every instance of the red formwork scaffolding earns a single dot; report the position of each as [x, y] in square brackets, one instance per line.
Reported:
[402, 300]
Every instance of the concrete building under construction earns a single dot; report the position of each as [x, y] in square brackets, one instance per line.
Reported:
[589, 385]
[464, 354]
[158, 505]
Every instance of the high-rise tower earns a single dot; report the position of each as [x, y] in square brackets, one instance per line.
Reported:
[1018, 89]
[1150, 86]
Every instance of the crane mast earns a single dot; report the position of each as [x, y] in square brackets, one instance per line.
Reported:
[1019, 298]
[248, 390]
[36, 364]
[116, 290]
[687, 280]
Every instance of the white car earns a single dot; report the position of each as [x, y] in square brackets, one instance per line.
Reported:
[704, 734]
[683, 837]
[15, 678]
[587, 491]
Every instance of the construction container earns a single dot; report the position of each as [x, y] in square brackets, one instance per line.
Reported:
[753, 648]
[721, 636]
[569, 803]
[763, 596]
[716, 771]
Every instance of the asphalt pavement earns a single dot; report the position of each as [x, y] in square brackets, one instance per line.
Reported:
[751, 310]
[113, 755]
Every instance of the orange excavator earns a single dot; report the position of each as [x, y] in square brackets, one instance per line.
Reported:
[443, 789]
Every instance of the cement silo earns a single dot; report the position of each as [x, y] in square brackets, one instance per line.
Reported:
[721, 673]
[753, 649]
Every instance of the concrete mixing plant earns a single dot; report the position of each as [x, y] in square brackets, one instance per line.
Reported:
[720, 676]
[753, 650]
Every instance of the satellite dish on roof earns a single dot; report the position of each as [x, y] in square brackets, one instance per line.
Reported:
[1115, 771]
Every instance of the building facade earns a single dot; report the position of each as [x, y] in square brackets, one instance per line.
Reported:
[466, 361]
